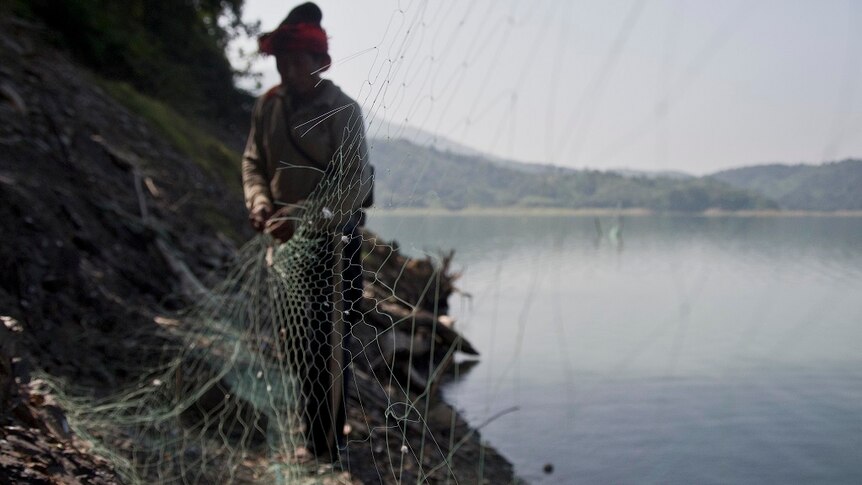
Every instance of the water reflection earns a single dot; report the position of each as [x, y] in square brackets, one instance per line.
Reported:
[702, 350]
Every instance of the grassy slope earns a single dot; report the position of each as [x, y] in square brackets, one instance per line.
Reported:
[210, 154]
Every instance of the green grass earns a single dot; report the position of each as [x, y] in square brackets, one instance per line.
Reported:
[202, 148]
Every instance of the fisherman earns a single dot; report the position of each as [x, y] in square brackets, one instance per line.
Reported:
[306, 161]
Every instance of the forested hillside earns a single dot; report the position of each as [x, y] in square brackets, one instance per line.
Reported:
[827, 187]
[409, 175]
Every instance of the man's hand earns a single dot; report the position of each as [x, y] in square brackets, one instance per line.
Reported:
[282, 224]
[259, 215]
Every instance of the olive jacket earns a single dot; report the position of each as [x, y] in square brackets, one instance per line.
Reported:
[310, 151]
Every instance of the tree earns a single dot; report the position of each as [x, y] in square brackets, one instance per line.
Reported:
[171, 50]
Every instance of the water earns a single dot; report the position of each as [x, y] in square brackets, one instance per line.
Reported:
[690, 350]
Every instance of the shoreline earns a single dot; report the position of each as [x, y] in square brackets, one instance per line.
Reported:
[601, 212]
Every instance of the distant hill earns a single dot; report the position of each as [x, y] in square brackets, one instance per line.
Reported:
[410, 175]
[386, 131]
[382, 129]
[826, 187]
[669, 174]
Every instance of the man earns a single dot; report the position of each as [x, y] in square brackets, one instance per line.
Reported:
[306, 176]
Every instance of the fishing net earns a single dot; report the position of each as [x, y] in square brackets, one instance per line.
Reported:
[283, 372]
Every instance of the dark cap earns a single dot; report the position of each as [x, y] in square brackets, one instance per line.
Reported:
[307, 13]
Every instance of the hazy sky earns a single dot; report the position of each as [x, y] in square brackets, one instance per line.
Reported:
[690, 85]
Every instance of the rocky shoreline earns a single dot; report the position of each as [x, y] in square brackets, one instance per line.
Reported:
[106, 225]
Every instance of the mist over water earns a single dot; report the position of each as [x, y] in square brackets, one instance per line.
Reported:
[659, 349]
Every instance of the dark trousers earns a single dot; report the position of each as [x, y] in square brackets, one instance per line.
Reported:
[333, 309]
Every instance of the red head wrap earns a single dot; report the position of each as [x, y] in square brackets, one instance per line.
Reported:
[302, 37]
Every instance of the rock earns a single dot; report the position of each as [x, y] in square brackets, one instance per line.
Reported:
[11, 95]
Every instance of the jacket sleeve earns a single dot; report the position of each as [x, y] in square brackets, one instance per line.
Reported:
[255, 180]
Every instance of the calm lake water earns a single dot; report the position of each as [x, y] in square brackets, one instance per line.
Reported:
[688, 350]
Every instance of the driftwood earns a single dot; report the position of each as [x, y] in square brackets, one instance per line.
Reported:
[407, 334]
[385, 314]
[419, 283]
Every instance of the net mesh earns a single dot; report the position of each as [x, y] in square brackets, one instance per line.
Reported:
[284, 372]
